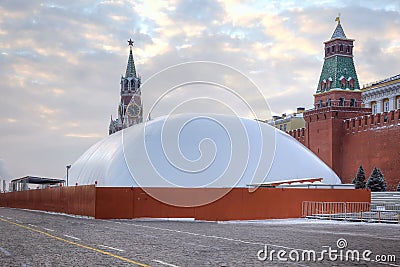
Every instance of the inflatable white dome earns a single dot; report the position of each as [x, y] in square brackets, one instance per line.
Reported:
[196, 151]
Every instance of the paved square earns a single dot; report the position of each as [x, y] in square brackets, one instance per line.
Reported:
[32, 238]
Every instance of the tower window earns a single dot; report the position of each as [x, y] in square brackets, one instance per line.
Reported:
[341, 101]
[353, 102]
[348, 49]
[329, 83]
[328, 102]
[343, 83]
[320, 103]
[333, 49]
[341, 48]
[323, 86]
[351, 83]
[328, 50]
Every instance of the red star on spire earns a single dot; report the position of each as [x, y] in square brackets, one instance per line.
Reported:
[130, 42]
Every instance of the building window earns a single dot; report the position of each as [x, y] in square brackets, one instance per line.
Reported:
[398, 102]
[348, 49]
[353, 102]
[333, 49]
[328, 50]
[386, 105]
[341, 48]
[341, 101]
[284, 127]
[374, 108]
[280, 127]
[320, 103]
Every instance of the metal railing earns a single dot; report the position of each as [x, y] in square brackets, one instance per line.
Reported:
[385, 207]
[351, 211]
[311, 208]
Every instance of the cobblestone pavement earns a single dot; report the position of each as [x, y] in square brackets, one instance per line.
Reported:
[32, 238]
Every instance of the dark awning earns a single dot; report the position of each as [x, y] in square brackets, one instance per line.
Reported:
[37, 180]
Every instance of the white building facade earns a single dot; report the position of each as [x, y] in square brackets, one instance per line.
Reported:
[382, 96]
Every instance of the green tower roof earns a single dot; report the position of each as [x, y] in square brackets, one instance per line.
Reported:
[338, 71]
[130, 68]
[334, 70]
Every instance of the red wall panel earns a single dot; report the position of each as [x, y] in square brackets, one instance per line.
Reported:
[114, 202]
[237, 204]
[79, 200]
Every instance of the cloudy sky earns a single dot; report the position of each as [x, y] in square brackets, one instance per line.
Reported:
[61, 61]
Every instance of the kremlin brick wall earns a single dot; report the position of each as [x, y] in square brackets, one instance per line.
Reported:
[347, 138]
[373, 141]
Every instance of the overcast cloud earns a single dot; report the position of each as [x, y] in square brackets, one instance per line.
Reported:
[61, 61]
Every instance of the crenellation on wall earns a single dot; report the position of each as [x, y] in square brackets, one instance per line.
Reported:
[298, 134]
[371, 121]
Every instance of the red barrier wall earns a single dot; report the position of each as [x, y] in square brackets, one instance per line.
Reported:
[238, 204]
[114, 203]
[79, 200]
[273, 203]
[123, 202]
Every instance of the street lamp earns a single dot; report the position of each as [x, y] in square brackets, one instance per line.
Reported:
[68, 166]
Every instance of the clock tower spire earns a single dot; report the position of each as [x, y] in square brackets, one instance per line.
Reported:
[129, 90]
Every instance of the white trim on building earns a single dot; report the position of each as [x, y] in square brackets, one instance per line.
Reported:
[384, 97]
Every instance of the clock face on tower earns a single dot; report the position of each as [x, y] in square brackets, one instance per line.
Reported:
[133, 110]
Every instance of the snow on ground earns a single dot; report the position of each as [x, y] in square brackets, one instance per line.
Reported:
[290, 221]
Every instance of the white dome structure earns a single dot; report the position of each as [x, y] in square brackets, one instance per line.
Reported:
[196, 151]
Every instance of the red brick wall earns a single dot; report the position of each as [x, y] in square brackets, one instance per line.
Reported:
[372, 142]
[298, 134]
[324, 131]
[345, 137]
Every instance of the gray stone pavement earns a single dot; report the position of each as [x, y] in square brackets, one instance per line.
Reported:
[32, 238]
